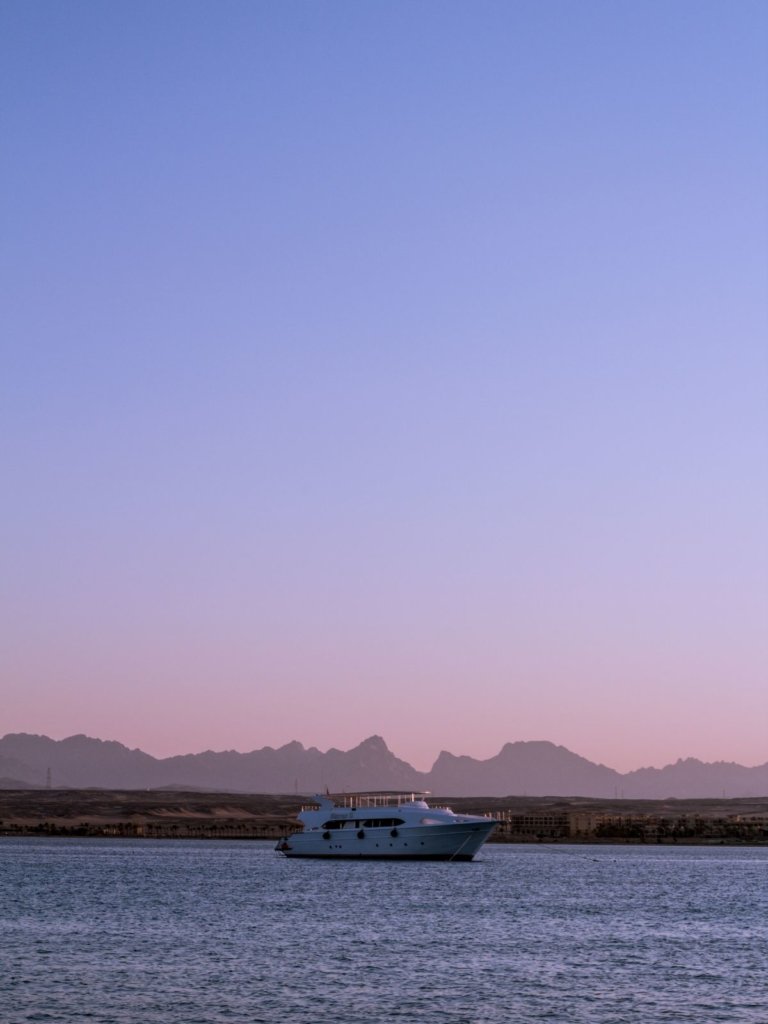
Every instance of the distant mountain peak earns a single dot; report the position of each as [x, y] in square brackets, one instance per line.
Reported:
[373, 743]
[291, 747]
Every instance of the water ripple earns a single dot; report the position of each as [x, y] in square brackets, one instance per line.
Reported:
[152, 932]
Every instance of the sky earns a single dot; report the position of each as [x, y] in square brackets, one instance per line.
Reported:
[386, 368]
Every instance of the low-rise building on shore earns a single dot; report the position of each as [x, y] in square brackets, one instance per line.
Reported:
[182, 815]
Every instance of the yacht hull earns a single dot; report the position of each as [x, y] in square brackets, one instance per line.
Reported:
[429, 842]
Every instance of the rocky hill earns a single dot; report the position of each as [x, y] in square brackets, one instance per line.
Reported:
[535, 768]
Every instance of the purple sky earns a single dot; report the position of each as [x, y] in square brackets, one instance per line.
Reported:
[394, 368]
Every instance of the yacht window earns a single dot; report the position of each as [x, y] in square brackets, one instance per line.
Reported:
[367, 823]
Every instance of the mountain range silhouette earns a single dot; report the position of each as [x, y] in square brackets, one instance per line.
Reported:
[530, 768]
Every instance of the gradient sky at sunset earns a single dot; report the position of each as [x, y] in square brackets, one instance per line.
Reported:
[391, 368]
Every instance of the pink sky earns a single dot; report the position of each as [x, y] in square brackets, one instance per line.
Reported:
[408, 377]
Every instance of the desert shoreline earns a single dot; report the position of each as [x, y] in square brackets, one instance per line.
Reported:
[172, 814]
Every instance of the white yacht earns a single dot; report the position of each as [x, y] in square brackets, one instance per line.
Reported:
[387, 826]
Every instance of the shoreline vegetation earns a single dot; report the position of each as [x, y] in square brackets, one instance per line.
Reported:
[173, 814]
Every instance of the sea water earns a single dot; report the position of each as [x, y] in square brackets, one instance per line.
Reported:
[188, 932]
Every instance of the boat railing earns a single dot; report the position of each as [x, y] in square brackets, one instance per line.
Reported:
[379, 799]
[353, 801]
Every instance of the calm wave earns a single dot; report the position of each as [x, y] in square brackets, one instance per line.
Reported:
[153, 932]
